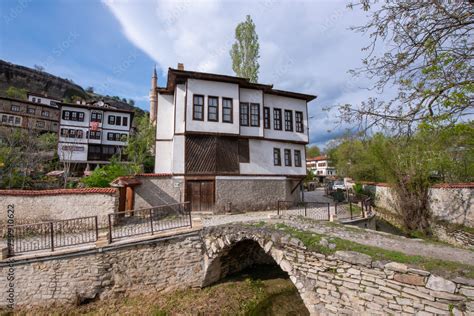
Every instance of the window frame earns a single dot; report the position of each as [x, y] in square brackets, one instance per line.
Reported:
[125, 121]
[242, 115]
[289, 127]
[231, 110]
[196, 96]
[15, 108]
[111, 120]
[276, 156]
[299, 126]
[31, 110]
[45, 113]
[216, 107]
[297, 157]
[277, 119]
[287, 157]
[118, 120]
[252, 105]
[266, 118]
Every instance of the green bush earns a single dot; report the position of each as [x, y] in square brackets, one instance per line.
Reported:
[102, 176]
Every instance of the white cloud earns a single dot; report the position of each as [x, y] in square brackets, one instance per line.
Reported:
[305, 46]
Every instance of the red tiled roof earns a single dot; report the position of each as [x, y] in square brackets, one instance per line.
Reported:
[154, 175]
[58, 191]
[318, 158]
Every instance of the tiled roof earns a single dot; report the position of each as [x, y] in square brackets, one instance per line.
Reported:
[154, 175]
[58, 191]
[466, 185]
[318, 158]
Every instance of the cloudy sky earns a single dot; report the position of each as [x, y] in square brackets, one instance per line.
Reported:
[305, 46]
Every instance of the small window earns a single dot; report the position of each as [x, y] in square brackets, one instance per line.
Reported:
[244, 153]
[110, 136]
[66, 115]
[79, 133]
[40, 124]
[288, 157]
[10, 119]
[255, 114]
[276, 157]
[299, 122]
[45, 113]
[277, 119]
[39, 100]
[73, 116]
[4, 118]
[125, 121]
[17, 121]
[111, 120]
[227, 116]
[244, 114]
[117, 137]
[15, 108]
[31, 111]
[72, 133]
[297, 158]
[266, 117]
[212, 109]
[198, 107]
[34, 99]
[118, 120]
[288, 120]
[64, 132]
[81, 116]
[123, 137]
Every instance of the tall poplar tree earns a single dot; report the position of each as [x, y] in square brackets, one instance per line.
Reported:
[245, 51]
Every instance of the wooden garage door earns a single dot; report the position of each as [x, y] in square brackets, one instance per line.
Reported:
[200, 194]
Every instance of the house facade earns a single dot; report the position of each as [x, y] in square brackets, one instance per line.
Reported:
[228, 143]
[90, 134]
[321, 167]
[38, 117]
[42, 99]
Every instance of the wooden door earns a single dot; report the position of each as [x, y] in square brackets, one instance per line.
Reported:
[200, 194]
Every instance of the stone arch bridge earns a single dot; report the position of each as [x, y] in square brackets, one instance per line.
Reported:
[341, 283]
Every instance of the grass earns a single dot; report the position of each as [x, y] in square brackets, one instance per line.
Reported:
[439, 267]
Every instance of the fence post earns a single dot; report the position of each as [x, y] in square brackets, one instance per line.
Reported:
[151, 220]
[186, 206]
[96, 228]
[110, 228]
[329, 212]
[350, 207]
[304, 209]
[51, 229]
[278, 207]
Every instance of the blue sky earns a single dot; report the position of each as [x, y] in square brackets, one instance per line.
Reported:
[112, 45]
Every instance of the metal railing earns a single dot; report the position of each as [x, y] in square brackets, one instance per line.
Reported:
[354, 208]
[315, 210]
[149, 220]
[54, 234]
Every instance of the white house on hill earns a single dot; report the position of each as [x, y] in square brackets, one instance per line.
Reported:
[229, 143]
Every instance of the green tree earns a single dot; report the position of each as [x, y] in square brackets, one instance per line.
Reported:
[140, 144]
[16, 93]
[102, 176]
[312, 151]
[245, 51]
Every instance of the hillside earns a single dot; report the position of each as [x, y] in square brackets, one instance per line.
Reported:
[45, 83]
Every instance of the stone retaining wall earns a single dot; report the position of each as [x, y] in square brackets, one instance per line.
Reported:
[158, 190]
[345, 282]
[44, 205]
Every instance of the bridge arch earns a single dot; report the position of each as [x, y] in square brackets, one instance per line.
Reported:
[228, 252]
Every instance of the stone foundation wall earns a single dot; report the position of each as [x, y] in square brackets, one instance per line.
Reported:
[163, 264]
[255, 194]
[45, 205]
[159, 190]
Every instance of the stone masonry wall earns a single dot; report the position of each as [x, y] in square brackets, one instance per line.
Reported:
[252, 194]
[155, 191]
[44, 205]
[343, 283]
[159, 265]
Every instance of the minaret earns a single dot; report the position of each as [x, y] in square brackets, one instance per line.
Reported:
[153, 97]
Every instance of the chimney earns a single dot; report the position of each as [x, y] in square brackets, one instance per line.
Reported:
[180, 66]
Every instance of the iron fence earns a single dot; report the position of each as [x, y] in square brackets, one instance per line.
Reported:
[315, 210]
[54, 234]
[149, 220]
[354, 208]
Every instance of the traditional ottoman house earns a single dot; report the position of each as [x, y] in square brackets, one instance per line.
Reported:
[229, 144]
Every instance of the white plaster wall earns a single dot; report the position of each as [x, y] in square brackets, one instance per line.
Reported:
[165, 114]
[164, 157]
[179, 102]
[105, 121]
[178, 154]
[261, 159]
[75, 123]
[218, 89]
[72, 155]
[252, 96]
[31, 209]
[285, 103]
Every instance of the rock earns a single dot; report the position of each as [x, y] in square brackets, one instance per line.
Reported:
[409, 279]
[332, 246]
[418, 271]
[464, 281]
[436, 283]
[397, 267]
[354, 257]
[285, 266]
[324, 242]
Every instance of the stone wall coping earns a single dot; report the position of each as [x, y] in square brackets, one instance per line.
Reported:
[155, 175]
[58, 191]
[465, 185]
